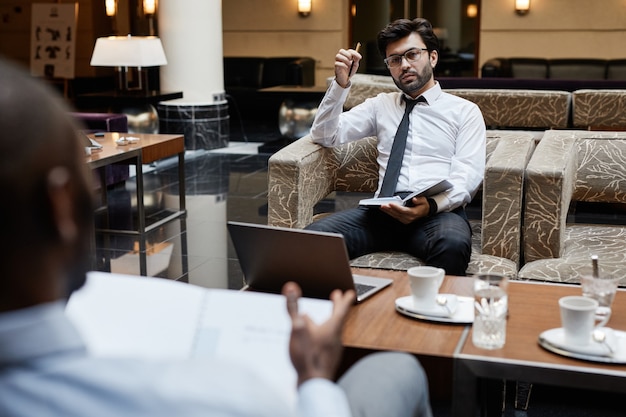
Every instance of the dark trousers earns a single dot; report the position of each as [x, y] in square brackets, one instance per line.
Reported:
[443, 240]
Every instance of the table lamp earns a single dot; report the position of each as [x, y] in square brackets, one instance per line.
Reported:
[124, 52]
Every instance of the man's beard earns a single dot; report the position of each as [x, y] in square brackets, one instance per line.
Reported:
[421, 79]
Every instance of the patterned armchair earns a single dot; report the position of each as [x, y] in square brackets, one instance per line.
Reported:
[573, 166]
[303, 173]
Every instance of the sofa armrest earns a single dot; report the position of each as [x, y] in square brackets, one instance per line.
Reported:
[551, 177]
[298, 178]
[503, 189]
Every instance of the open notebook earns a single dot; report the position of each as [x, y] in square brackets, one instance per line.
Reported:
[429, 191]
[318, 261]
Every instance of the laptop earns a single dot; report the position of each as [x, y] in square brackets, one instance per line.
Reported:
[318, 261]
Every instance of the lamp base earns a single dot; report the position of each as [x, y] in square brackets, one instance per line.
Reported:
[295, 118]
[142, 119]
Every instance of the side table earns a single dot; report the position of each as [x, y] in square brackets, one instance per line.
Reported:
[149, 148]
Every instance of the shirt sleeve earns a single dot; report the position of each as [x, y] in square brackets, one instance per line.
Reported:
[320, 397]
[467, 167]
[332, 126]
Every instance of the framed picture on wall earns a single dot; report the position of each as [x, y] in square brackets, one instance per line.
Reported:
[53, 40]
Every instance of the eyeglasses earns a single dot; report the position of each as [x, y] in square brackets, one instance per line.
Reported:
[411, 55]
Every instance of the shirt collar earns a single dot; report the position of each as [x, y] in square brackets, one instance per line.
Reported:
[431, 94]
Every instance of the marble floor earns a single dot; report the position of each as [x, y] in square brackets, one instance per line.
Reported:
[221, 185]
[231, 184]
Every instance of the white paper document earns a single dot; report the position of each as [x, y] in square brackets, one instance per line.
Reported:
[154, 318]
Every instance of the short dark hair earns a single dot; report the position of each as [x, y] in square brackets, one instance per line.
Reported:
[402, 28]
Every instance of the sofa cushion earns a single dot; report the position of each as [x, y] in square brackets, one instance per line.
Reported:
[479, 263]
[530, 109]
[599, 109]
[581, 241]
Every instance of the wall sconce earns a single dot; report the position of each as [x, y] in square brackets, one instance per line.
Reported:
[149, 7]
[522, 7]
[149, 10]
[110, 7]
[304, 7]
[472, 11]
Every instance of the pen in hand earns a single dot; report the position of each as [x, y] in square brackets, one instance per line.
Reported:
[356, 48]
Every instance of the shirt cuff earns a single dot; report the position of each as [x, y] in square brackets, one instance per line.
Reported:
[321, 397]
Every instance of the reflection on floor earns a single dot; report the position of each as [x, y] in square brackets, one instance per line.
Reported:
[224, 184]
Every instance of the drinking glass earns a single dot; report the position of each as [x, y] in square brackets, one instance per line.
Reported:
[490, 311]
[601, 288]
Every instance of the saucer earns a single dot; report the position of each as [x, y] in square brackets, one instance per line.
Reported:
[554, 341]
[462, 309]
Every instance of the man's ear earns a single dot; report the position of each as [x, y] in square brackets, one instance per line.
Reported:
[61, 203]
[434, 58]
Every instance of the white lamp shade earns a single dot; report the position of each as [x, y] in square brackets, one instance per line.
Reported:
[128, 51]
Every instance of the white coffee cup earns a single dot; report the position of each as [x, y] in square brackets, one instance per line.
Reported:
[578, 315]
[425, 282]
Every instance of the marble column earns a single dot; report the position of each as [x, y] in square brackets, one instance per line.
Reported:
[191, 33]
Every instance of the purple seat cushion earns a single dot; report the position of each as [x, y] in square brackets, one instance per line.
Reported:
[102, 122]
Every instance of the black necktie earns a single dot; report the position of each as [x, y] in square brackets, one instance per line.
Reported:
[397, 150]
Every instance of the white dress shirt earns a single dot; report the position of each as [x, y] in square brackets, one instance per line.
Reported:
[45, 371]
[447, 138]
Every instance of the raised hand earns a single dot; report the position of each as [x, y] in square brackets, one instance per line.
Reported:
[315, 350]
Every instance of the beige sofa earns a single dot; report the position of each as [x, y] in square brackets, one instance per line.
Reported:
[567, 167]
[303, 173]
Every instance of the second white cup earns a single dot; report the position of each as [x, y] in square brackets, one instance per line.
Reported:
[425, 282]
[578, 318]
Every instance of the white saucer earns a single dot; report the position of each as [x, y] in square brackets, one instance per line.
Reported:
[462, 309]
[554, 341]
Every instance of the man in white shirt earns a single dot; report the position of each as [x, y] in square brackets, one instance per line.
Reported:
[45, 369]
[446, 140]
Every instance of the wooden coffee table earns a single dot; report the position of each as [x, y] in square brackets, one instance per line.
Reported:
[374, 325]
[454, 366]
[533, 308]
